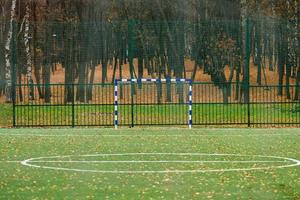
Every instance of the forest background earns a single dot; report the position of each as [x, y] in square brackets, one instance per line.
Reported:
[91, 41]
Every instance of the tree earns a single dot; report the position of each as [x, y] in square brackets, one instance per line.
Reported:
[27, 38]
[83, 35]
[245, 50]
[8, 53]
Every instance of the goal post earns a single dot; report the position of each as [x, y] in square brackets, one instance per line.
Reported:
[144, 80]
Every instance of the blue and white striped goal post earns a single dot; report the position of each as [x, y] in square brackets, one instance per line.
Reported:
[188, 81]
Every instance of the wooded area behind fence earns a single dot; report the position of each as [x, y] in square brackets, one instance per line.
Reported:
[245, 71]
[161, 50]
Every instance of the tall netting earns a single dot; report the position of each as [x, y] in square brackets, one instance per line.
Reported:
[79, 62]
[242, 57]
[210, 51]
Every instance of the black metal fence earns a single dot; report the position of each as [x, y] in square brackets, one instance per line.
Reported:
[155, 104]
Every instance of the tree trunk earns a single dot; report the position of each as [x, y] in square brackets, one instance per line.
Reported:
[281, 62]
[245, 50]
[259, 51]
[46, 75]
[28, 53]
[20, 88]
[297, 91]
[194, 71]
[237, 87]
[92, 77]
[68, 88]
[140, 68]
[289, 63]
[115, 69]
[8, 53]
[81, 91]
[36, 64]
[104, 70]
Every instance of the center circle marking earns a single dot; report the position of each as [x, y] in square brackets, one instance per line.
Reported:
[288, 162]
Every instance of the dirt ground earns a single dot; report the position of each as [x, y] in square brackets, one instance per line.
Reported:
[59, 75]
[271, 76]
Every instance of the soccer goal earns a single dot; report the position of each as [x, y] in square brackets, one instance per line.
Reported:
[148, 102]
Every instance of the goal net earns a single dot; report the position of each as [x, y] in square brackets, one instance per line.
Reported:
[153, 102]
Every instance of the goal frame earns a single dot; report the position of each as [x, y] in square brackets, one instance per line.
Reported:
[147, 80]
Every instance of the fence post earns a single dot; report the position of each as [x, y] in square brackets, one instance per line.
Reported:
[132, 104]
[131, 53]
[73, 104]
[248, 82]
[13, 72]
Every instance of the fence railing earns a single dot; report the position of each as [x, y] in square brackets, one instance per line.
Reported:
[143, 104]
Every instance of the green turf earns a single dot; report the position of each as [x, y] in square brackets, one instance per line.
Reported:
[5, 115]
[22, 182]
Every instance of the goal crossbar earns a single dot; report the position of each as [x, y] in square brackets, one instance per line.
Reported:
[187, 81]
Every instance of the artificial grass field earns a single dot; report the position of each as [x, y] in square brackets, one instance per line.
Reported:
[159, 173]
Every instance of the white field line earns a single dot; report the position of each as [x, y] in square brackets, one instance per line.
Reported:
[295, 163]
[157, 128]
[145, 135]
[159, 161]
